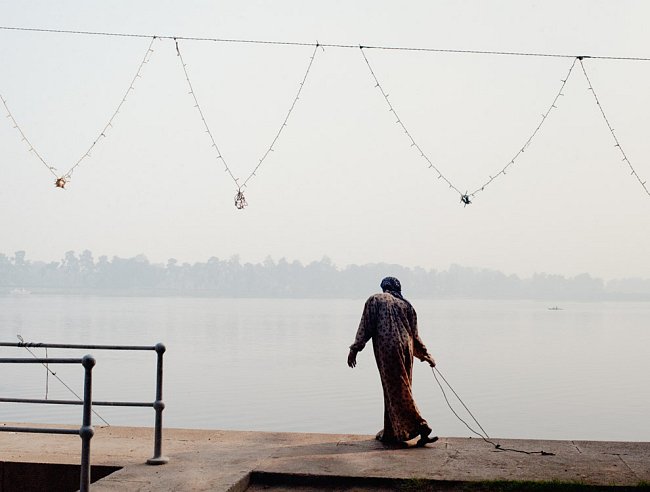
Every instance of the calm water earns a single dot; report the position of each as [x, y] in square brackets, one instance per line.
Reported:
[261, 364]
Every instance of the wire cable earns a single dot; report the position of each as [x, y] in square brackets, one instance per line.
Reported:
[325, 45]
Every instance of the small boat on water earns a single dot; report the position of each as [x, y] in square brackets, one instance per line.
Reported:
[555, 308]
[19, 292]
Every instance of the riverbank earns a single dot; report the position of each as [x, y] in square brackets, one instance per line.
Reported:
[237, 461]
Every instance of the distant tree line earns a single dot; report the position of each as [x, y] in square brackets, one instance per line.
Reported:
[81, 273]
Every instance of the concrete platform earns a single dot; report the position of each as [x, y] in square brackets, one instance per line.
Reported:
[236, 461]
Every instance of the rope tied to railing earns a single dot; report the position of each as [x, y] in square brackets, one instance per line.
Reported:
[26, 346]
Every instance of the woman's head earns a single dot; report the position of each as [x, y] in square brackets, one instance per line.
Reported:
[391, 284]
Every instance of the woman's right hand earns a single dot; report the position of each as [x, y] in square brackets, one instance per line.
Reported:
[352, 358]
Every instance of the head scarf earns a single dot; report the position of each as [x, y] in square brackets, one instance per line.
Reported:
[393, 287]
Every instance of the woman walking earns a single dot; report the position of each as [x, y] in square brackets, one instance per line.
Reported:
[391, 322]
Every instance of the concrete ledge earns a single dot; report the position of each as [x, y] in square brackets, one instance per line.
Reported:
[237, 461]
[273, 482]
[19, 477]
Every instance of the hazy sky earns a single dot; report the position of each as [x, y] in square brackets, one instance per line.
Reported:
[343, 180]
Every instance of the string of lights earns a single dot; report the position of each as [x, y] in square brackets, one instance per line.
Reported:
[324, 45]
[521, 150]
[408, 134]
[104, 130]
[284, 123]
[465, 198]
[32, 149]
[611, 130]
[219, 155]
[62, 180]
[240, 199]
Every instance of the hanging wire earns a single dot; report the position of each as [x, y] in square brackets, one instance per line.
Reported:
[408, 134]
[611, 130]
[50, 371]
[483, 435]
[240, 199]
[61, 180]
[102, 133]
[25, 139]
[284, 123]
[465, 198]
[219, 156]
[530, 139]
[324, 45]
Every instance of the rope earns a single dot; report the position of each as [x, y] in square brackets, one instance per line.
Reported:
[484, 435]
[25, 345]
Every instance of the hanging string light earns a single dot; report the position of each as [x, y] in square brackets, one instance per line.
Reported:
[284, 123]
[617, 143]
[240, 199]
[406, 131]
[32, 149]
[63, 179]
[219, 155]
[465, 198]
[523, 148]
[104, 131]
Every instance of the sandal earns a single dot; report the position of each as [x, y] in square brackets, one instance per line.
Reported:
[424, 440]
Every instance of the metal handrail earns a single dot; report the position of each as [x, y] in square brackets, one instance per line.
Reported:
[158, 405]
[86, 430]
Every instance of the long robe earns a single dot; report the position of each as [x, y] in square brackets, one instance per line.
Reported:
[392, 325]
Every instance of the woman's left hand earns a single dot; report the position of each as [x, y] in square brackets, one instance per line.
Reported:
[428, 358]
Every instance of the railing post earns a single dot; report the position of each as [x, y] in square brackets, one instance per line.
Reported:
[158, 407]
[86, 431]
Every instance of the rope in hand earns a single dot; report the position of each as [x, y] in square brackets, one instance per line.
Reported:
[49, 371]
[484, 435]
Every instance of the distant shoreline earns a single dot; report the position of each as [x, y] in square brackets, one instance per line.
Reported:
[143, 292]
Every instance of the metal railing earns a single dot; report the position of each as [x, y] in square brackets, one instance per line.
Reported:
[158, 405]
[86, 431]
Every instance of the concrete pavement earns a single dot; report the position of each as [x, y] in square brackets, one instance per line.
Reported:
[214, 460]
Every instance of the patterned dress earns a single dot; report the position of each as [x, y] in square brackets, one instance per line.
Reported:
[392, 325]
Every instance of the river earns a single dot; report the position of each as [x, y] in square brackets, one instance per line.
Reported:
[524, 370]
